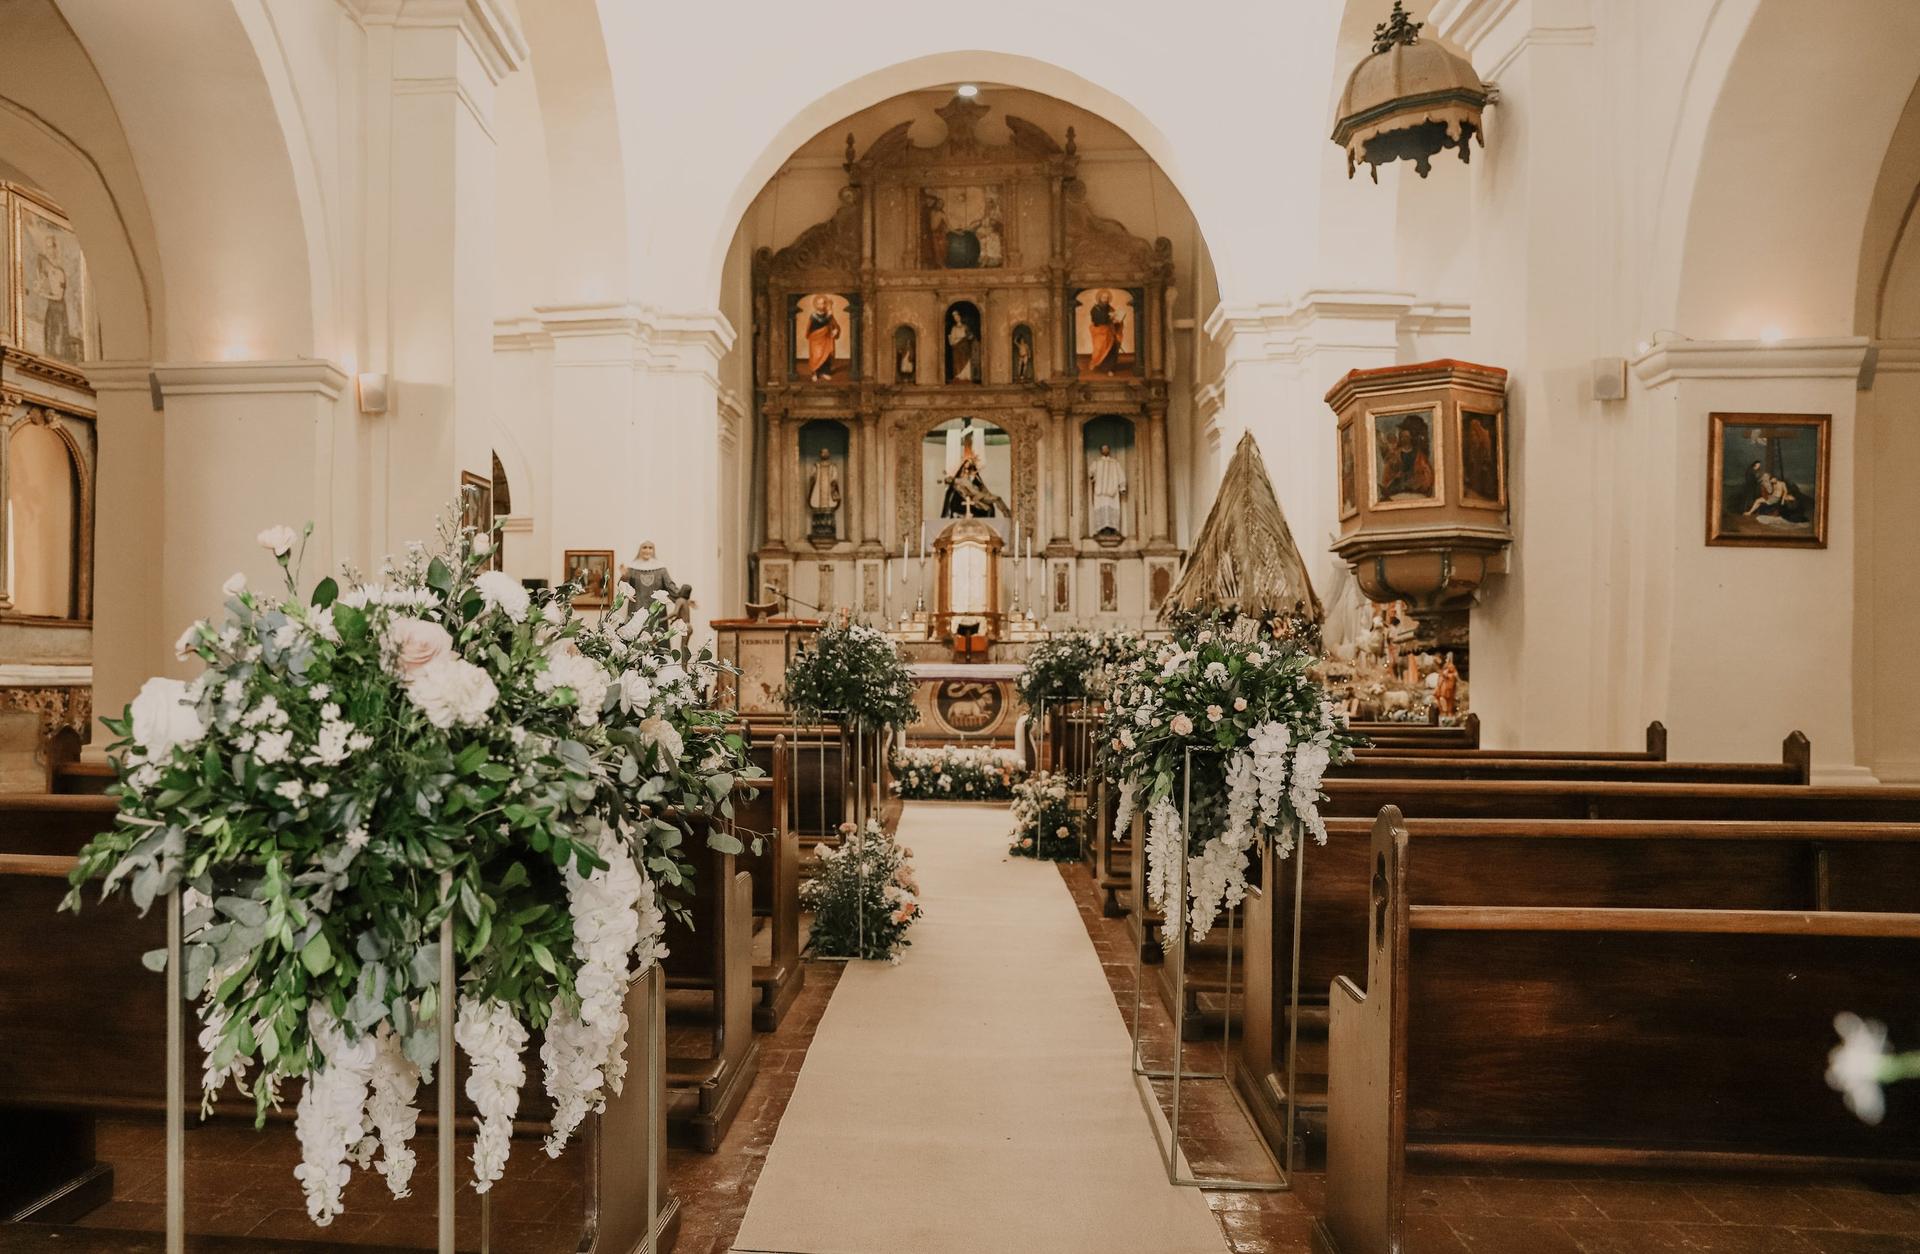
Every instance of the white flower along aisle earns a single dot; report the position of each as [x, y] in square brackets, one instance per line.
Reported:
[1242, 700]
[336, 758]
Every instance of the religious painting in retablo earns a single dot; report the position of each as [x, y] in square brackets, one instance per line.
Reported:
[1483, 460]
[1767, 477]
[50, 278]
[968, 707]
[1406, 459]
[1105, 337]
[823, 338]
[962, 228]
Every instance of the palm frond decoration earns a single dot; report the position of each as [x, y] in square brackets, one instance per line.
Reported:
[1244, 559]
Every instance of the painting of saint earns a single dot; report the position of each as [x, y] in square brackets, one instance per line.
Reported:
[963, 343]
[1349, 473]
[53, 281]
[1023, 354]
[1403, 458]
[1768, 479]
[822, 338]
[1480, 457]
[1104, 333]
[961, 228]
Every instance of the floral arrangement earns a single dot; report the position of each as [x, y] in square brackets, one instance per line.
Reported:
[852, 672]
[1044, 822]
[1245, 701]
[343, 756]
[1072, 665]
[1862, 1063]
[955, 773]
[862, 894]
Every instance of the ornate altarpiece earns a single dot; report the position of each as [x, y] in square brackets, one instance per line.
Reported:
[855, 323]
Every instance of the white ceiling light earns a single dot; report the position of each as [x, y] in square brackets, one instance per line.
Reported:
[968, 90]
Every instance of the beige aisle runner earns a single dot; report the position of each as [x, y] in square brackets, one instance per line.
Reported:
[976, 1097]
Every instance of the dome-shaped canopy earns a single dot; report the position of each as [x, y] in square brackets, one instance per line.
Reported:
[1409, 99]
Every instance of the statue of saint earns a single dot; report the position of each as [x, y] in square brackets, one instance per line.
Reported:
[1022, 355]
[1446, 692]
[967, 492]
[963, 364]
[823, 495]
[647, 576]
[1108, 479]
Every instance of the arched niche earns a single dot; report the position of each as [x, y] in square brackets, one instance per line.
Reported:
[825, 446]
[1022, 363]
[46, 491]
[906, 355]
[961, 346]
[1107, 444]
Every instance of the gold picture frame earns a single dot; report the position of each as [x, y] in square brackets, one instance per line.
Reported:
[1768, 476]
[1423, 439]
[1348, 469]
[1481, 437]
[593, 570]
[47, 272]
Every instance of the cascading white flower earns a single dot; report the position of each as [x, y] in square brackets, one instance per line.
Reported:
[331, 1114]
[1217, 875]
[580, 1039]
[1310, 760]
[1129, 800]
[1269, 743]
[492, 1038]
[1166, 845]
[391, 1115]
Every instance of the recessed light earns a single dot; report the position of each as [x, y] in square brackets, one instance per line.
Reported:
[967, 89]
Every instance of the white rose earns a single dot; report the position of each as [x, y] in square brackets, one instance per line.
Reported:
[482, 545]
[452, 691]
[415, 644]
[163, 718]
[236, 584]
[183, 647]
[278, 541]
[504, 593]
[635, 692]
[659, 732]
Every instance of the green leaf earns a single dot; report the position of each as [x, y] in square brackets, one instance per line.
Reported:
[317, 955]
[325, 592]
[439, 576]
[471, 758]
[515, 876]
[349, 622]
[542, 956]
[725, 842]
[154, 959]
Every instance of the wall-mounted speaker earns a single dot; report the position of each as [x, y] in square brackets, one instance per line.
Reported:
[1609, 378]
[373, 393]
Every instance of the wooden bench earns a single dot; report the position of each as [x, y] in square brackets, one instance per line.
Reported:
[1390, 735]
[1605, 1035]
[1865, 874]
[1113, 850]
[1655, 751]
[1795, 767]
[713, 956]
[775, 868]
[83, 1033]
[820, 778]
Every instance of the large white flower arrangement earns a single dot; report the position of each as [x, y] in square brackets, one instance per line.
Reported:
[955, 773]
[853, 673]
[335, 758]
[1073, 665]
[1262, 732]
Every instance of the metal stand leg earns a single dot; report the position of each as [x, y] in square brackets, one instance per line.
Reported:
[176, 1085]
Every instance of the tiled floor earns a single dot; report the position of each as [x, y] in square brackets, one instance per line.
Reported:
[1524, 1211]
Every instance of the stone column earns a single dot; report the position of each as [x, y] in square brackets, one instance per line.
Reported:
[1056, 467]
[676, 451]
[1157, 477]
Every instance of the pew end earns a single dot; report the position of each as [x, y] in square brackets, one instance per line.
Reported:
[1656, 741]
[1366, 1073]
[1796, 754]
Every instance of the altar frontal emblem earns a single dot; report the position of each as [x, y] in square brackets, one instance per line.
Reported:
[968, 706]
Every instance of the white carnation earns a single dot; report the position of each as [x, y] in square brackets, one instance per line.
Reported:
[453, 692]
[503, 592]
[278, 541]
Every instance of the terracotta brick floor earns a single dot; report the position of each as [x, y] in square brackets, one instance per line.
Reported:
[1519, 1210]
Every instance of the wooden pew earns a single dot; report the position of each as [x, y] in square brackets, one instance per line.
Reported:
[715, 955]
[83, 1033]
[1655, 751]
[1869, 874]
[820, 789]
[1615, 1036]
[1389, 735]
[775, 868]
[1795, 767]
[1113, 850]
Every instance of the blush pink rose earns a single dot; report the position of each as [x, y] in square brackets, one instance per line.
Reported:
[1181, 725]
[416, 644]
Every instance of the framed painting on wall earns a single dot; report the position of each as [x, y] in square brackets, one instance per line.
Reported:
[592, 569]
[50, 284]
[1406, 459]
[1767, 477]
[1105, 331]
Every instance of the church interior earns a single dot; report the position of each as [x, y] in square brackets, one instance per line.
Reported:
[1140, 632]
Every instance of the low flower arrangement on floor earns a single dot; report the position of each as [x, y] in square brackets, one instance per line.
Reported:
[1075, 665]
[852, 673]
[955, 773]
[339, 754]
[862, 896]
[1262, 732]
[1044, 823]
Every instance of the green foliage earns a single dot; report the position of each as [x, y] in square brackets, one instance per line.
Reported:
[1045, 824]
[1075, 665]
[862, 896]
[852, 673]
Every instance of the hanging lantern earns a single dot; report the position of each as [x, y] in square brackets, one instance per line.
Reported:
[1408, 100]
